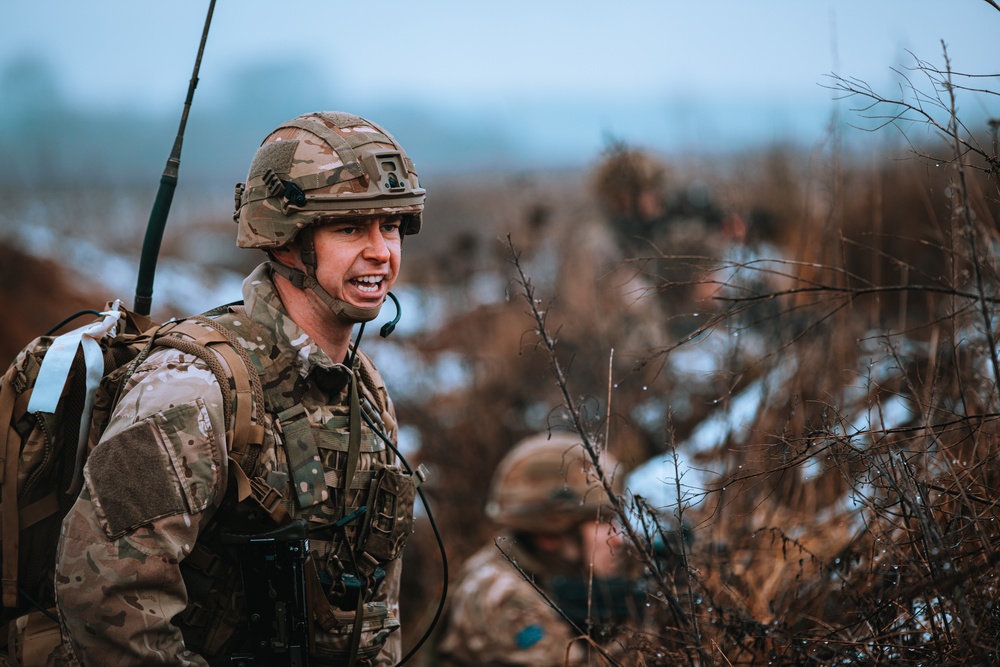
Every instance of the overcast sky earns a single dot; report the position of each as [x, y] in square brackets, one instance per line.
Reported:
[638, 60]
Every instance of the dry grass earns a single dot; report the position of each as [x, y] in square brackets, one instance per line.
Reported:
[854, 516]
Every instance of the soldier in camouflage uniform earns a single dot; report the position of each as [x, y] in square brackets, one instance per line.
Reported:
[559, 532]
[148, 565]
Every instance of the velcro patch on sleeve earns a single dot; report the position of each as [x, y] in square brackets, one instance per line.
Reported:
[158, 467]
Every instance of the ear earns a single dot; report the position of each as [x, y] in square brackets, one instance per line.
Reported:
[286, 255]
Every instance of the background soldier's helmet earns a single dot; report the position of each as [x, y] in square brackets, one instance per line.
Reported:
[322, 166]
[548, 484]
[629, 183]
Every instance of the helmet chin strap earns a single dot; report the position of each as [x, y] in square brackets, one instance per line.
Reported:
[343, 311]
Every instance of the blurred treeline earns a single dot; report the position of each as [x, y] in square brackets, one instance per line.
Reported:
[47, 137]
[796, 348]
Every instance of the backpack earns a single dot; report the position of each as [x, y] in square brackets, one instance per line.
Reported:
[56, 399]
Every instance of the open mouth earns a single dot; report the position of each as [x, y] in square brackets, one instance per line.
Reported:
[368, 284]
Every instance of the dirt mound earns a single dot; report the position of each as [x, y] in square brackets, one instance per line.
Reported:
[35, 295]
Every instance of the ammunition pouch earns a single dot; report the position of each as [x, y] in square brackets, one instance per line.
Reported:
[377, 623]
[388, 520]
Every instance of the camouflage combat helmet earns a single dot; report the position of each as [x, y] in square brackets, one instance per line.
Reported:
[627, 180]
[547, 483]
[315, 169]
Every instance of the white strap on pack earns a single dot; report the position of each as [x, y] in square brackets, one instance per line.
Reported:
[58, 360]
[52, 376]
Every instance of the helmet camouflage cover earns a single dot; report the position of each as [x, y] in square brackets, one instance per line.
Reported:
[547, 483]
[627, 176]
[322, 166]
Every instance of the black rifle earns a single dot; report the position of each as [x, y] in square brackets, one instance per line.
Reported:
[603, 601]
[272, 567]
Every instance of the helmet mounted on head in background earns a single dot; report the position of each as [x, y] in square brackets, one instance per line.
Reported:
[319, 168]
[548, 484]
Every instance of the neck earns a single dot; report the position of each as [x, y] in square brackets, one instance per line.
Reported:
[315, 318]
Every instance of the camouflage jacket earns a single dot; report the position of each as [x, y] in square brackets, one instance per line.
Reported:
[496, 618]
[141, 578]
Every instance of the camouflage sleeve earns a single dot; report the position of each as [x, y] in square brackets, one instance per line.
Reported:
[152, 484]
[498, 618]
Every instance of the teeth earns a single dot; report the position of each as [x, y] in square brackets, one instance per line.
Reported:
[369, 283]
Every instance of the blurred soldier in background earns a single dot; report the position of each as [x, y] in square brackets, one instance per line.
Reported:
[649, 211]
[668, 232]
[559, 531]
[630, 186]
[149, 565]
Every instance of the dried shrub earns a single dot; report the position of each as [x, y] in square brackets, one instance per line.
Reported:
[846, 425]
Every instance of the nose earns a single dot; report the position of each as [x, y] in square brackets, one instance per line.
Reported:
[376, 248]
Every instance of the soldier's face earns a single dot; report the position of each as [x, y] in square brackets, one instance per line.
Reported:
[358, 259]
[602, 545]
[595, 545]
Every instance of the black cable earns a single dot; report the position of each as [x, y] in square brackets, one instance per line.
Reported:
[354, 348]
[437, 536]
[70, 319]
[386, 330]
[38, 605]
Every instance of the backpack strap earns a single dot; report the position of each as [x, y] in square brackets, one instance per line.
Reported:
[243, 396]
[241, 387]
[374, 389]
[9, 450]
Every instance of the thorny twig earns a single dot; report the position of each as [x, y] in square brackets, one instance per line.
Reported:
[965, 209]
[913, 107]
[549, 343]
